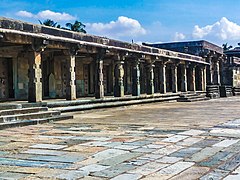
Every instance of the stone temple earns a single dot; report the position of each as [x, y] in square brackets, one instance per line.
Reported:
[39, 62]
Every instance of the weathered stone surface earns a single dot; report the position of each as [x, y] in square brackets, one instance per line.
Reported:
[231, 164]
[214, 175]
[191, 173]
[86, 170]
[119, 159]
[175, 138]
[113, 171]
[168, 150]
[148, 168]
[127, 176]
[44, 152]
[186, 152]
[174, 169]
[204, 153]
[189, 141]
[48, 146]
[109, 153]
[168, 160]
[232, 177]
[226, 143]
[12, 175]
[192, 132]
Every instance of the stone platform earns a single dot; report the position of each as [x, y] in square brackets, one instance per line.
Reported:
[199, 140]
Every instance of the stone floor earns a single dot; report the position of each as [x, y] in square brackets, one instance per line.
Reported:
[198, 140]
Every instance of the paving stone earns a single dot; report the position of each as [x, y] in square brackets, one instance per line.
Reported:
[50, 173]
[235, 133]
[154, 146]
[44, 152]
[232, 177]
[226, 143]
[204, 154]
[168, 160]
[112, 144]
[64, 158]
[233, 148]
[70, 175]
[95, 143]
[191, 173]
[48, 146]
[175, 138]
[12, 175]
[86, 170]
[119, 159]
[192, 132]
[126, 147]
[151, 157]
[127, 176]
[205, 142]
[138, 143]
[186, 152]
[214, 175]
[55, 137]
[29, 163]
[143, 150]
[138, 162]
[174, 169]
[189, 141]
[113, 171]
[168, 150]
[148, 168]
[216, 159]
[231, 164]
[92, 138]
[237, 170]
[109, 153]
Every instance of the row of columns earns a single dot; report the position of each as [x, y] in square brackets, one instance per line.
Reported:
[35, 75]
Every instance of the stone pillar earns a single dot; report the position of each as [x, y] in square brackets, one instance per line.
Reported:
[204, 78]
[136, 79]
[35, 77]
[70, 78]
[174, 78]
[209, 71]
[99, 87]
[119, 73]
[216, 73]
[162, 73]
[192, 83]
[183, 78]
[150, 79]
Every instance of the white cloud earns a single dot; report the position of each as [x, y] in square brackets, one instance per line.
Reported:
[179, 36]
[25, 14]
[122, 27]
[221, 30]
[47, 14]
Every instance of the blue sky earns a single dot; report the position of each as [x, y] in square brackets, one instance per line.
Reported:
[141, 20]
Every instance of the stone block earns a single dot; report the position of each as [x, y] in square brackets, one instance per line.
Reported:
[175, 138]
[48, 146]
[127, 176]
[226, 143]
[86, 170]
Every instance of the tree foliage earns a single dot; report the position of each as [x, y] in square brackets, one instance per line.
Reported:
[77, 26]
[226, 47]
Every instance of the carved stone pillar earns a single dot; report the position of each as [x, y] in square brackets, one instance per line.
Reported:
[216, 72]
[99, 87]
[150, 79]
[204, 78]
[35, 77]
[119, 73]
[209, 71]
[136, 79]
[192, 83]
[162, 73]
[174, 78]
[71, 77]
[183, 78]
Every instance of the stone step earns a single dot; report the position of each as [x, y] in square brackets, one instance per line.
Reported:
[192, 95]
[34, 121]
[22, 111]
[9, 106]
[193, 100]
[113, 104]
[38, 115]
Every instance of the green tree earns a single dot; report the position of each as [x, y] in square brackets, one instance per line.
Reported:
[77, 27]
[50, 23]
[226, 47]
